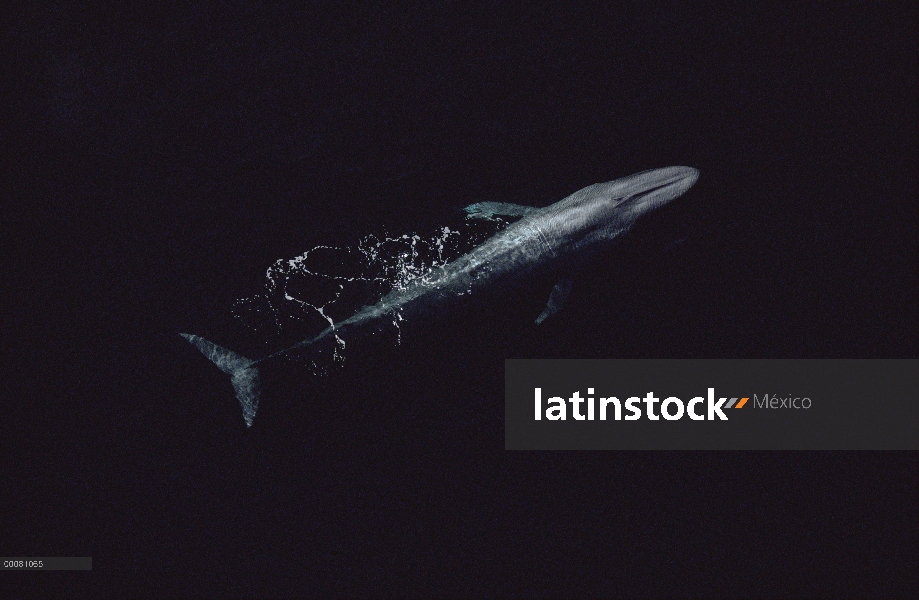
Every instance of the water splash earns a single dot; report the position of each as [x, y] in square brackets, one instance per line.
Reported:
[326, 284]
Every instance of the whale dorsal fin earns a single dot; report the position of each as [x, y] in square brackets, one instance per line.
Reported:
[556, 299]
[487, 210]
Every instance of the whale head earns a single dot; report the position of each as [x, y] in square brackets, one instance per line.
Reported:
[634, 196]
[601, 212]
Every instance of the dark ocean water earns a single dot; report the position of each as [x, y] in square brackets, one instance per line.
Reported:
[163, 159]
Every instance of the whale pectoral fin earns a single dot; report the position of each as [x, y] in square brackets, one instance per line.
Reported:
[556, 299]
[487, 210]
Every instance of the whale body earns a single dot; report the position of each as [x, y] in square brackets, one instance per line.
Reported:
[551, 237]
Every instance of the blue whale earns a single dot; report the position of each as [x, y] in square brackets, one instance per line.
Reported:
[551, 237]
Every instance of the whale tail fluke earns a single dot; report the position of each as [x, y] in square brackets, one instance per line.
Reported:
[243, 373]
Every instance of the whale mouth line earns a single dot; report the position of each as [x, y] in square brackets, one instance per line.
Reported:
[649, 191]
